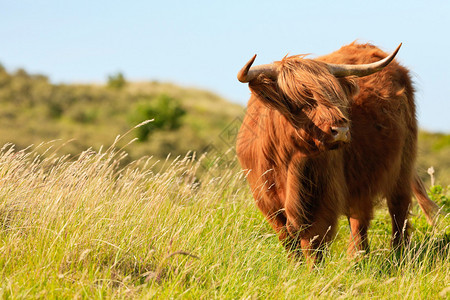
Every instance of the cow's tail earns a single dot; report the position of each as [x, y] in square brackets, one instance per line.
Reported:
[429, 208]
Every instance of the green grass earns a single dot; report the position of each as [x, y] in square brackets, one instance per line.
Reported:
[87, 227]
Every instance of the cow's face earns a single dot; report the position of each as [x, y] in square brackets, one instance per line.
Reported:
[322, 101]
[313, 100]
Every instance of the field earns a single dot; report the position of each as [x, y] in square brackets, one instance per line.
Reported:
[111, 222]
[87, 227]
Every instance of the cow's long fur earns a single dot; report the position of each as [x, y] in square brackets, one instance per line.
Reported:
[299, 180]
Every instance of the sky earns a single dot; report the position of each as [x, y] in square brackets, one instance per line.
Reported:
[203, 44]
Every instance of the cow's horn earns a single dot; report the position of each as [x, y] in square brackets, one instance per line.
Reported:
[362, 70]
[248, 73]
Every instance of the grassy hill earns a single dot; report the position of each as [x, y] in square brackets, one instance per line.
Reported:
[33, 111]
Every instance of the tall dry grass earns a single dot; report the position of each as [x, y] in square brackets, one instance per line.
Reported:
[90, 227]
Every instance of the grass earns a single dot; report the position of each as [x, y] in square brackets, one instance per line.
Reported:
[87, 227]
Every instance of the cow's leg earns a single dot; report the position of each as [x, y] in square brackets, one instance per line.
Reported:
[400, 194]
[359, 220]
[270, 207]
[314, 238]
[311, 210]
[277, 220]
[399, 203]
[358, 236]
[296, 212]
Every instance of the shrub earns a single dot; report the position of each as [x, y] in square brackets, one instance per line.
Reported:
[166, 111]
[116, 81]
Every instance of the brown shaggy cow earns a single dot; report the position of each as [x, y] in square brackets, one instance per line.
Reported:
[329, 136]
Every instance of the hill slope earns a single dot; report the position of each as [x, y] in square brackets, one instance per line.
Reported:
[34, 110]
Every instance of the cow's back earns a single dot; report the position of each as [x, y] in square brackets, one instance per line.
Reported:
[384, 128]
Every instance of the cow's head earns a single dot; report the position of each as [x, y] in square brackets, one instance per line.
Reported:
[312, 95]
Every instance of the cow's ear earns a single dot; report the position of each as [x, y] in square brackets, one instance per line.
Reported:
[349, 86]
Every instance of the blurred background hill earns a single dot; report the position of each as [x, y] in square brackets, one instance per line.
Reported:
[33, 110]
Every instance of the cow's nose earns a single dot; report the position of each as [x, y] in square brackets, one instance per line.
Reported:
[340, 133]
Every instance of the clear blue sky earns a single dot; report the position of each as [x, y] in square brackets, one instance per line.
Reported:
[205, 43]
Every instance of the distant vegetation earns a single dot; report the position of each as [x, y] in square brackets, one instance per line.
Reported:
[165, 112]
[116, 81]
[33, 111]
[434, 150]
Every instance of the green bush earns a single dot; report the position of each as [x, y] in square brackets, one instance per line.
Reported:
[116, 81]
[165, 111]
[81, 114]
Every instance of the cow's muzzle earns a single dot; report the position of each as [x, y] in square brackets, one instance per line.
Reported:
[340, 134]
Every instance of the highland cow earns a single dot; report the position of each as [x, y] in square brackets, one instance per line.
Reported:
[330, 136]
